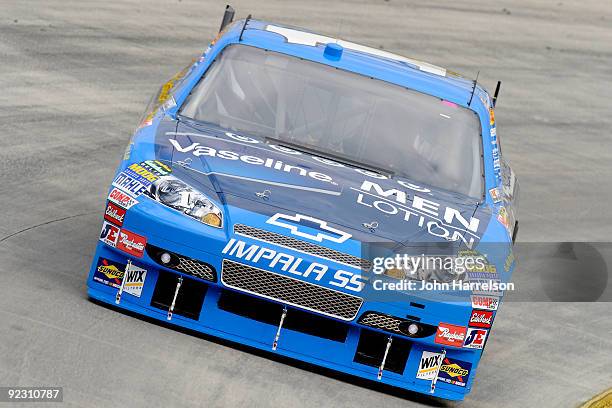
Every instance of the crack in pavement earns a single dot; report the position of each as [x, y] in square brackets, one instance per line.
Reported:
[45, 223]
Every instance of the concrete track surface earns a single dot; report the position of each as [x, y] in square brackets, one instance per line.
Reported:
[75, 77]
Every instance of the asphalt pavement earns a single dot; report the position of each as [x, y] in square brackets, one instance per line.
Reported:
[75, 76]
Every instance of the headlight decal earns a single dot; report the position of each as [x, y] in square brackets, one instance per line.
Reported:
[154, 179]
[176, 194]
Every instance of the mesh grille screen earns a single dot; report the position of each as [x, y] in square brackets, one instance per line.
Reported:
[301, 246]
[290, 291]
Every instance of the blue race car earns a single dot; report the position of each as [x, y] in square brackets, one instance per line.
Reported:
[267, 178]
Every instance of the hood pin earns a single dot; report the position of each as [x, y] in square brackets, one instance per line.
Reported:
[184, 163]
[371, 225]
[263, 194]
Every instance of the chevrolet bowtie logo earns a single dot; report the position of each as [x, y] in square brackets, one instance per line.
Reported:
[297, 225]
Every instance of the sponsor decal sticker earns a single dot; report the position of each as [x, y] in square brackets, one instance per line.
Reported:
[486, 286]
[428, 365]
[109, 234]
[481, 318]
[450, 335]
[131, 243]
[109, 273]
[438, 220]
[143, 172]
[120, 198]
[475, 338]
[485, 302]
[139, 177]
[503, 218]
[479, 270]
[483, 276]
[290, 265]
[495, 153]
[134, 280]
[156, 167]
[296, 225]
[114, 213]
[454, 372]
[197, 149]
[129, 184]
[495, 195]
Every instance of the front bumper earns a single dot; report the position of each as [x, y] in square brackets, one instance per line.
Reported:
[207, 305]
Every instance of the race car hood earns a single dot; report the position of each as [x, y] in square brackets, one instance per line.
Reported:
[249, 173]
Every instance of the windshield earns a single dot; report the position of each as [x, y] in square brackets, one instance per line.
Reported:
[343, 114]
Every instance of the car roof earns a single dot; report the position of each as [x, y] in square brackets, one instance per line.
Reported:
[371, 62]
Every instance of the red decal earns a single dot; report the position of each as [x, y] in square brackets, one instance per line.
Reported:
[475, 338]
[450, 335]
[114, 214]
[485, 302]
[131, 243]
[109, 234]
[481, 318]
[120, 198]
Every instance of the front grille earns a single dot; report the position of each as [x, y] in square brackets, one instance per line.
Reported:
[195, 268]
[394, 324]
[290, 291]
[302, 246]
[381, 321]
[184, 264]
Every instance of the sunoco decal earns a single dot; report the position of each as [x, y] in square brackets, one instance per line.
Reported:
[455, 372]
[109, 273]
